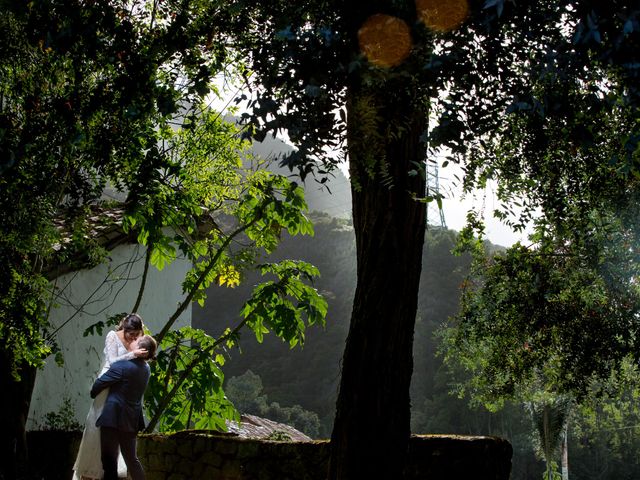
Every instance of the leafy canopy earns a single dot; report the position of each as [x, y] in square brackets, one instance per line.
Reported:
[110, 94]
[562, 311]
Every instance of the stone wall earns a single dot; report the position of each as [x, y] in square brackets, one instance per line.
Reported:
[202, 455]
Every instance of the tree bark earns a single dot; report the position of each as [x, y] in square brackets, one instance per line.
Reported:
[565, 452]
[14, 409]
[372, 426]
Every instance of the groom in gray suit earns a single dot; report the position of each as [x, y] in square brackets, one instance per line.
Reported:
[121, 417]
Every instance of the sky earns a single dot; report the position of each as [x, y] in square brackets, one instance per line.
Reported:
[456, 206]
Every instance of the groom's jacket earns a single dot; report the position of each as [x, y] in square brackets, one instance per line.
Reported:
[126, 381]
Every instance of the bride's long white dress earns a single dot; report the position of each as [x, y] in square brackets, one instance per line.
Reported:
[88, 463]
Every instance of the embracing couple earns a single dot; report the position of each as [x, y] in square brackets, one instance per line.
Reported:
[108, 443]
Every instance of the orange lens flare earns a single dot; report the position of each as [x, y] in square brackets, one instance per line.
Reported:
[385, 40]
[442, 15]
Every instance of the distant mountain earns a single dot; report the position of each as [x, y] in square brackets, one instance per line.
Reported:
[332, 197]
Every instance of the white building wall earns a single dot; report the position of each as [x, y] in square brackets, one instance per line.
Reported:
[89, 296]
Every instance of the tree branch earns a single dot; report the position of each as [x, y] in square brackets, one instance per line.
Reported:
[187, 371]
[147, 260]
[187, 301]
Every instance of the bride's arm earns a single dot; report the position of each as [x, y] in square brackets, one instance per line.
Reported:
[111, 344]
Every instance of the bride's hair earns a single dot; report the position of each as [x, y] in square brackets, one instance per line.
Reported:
[131, 323]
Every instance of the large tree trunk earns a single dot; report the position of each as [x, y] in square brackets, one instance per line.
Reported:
[14, 408]
[372, 425]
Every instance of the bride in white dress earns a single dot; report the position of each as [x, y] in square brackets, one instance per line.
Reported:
[88, 464]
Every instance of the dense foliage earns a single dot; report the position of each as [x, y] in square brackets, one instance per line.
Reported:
[532, 315]
[548, 321]
[551, 320]
[247, 395]
[87, 92]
